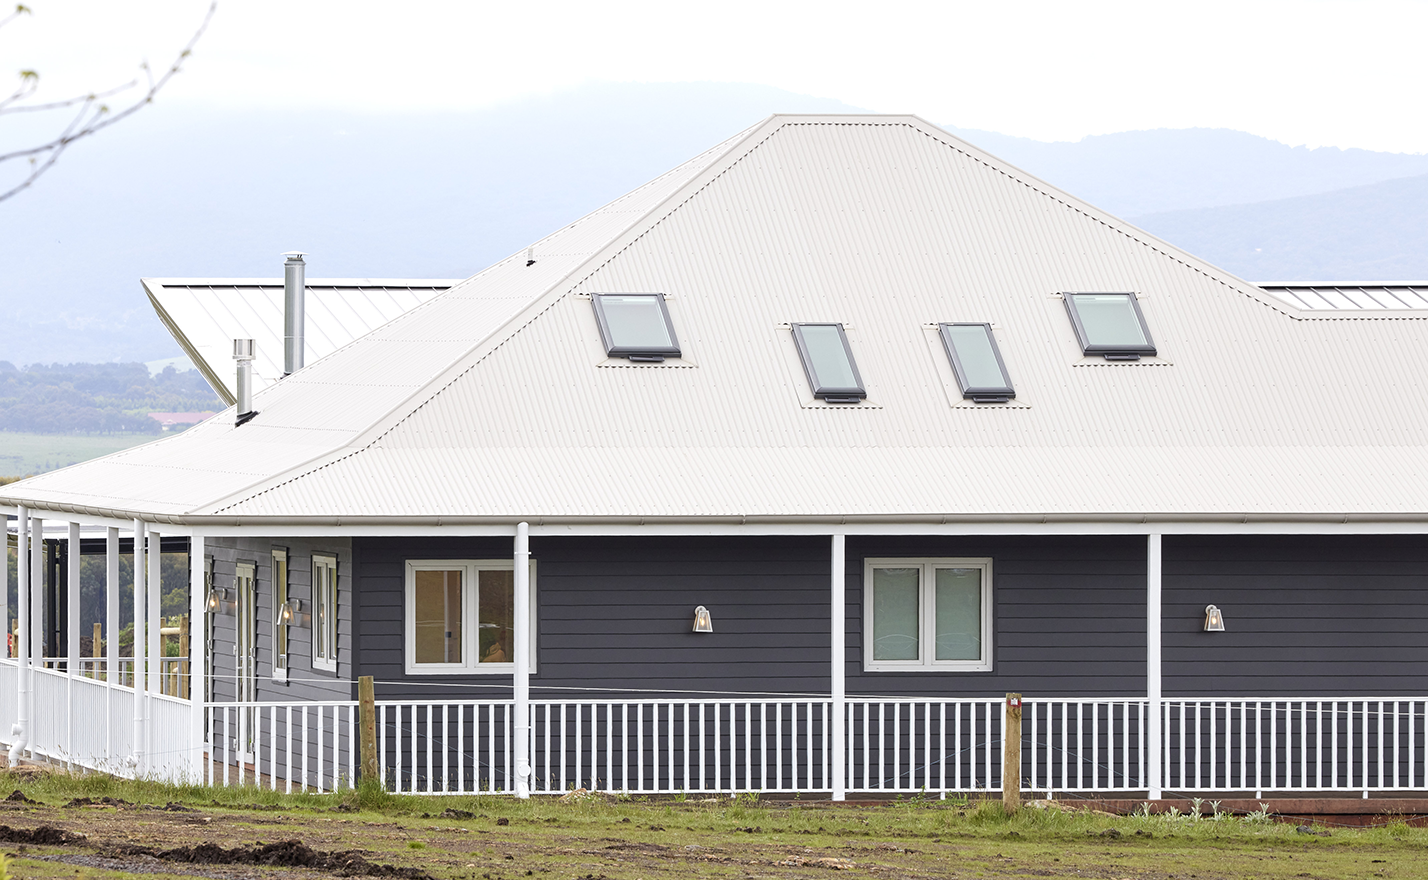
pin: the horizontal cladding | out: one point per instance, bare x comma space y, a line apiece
1068, 617
614, 616
1303, 616
304, 682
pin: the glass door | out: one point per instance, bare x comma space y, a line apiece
245, 649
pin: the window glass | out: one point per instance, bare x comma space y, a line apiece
324, 593
827, 358
895, 629
976, 361
438, 617
959, 613
280, 597
1109, 324
1109, 319
496, 610
635, 325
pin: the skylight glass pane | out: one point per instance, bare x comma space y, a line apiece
828, 360
1109, 323
976, 361
959, 613
895, 630
635, 324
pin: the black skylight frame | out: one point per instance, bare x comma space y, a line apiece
1110, 352
977, 393
642, 353
853, 393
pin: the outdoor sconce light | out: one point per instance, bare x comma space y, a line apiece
702, 623
217, 600
1214, 621
290, 613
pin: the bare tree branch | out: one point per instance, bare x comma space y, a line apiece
93, 115
20, 9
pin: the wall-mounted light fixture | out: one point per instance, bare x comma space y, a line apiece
217, 601
290, 613
702, 622
1214, 620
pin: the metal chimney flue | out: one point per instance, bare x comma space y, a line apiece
294, 319
243, 354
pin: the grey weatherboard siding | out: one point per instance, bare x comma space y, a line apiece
615, 614
304, 682
1304, 615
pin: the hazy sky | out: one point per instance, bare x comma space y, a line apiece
1346, 74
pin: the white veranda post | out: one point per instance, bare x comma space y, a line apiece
140, 593
837, 750
71, 630
522, 676
1153, 746
22, 612
198, 655
36, 637
111, 633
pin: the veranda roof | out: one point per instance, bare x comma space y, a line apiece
495, 401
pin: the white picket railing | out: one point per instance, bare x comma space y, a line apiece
86, 723
295, 746
1276, 744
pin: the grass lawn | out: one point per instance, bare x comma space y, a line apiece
157, 830
28, 454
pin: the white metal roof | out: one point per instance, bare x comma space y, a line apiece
495, 401
205, 315
1350, 295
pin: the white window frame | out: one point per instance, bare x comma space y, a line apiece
281, 659
321, 620
926, 616
471, 569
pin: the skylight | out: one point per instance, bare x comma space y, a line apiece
828, 362
635, 326
1110, 324
977, 362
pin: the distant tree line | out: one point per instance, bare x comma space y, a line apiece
96, 398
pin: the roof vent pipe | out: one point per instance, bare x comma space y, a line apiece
294, 320
243, 354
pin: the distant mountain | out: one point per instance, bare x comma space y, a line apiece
185, 191
1142, 172
182, 191
1377, 232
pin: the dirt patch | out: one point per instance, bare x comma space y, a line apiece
98, 802
285, 854
45, 835
18, 797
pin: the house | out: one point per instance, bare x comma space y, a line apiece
778, 474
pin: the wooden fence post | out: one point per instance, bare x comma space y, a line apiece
94, 643
367, 722
1011, 756
182, 686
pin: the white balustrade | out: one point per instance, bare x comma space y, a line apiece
892, 745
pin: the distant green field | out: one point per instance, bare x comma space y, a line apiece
27, 454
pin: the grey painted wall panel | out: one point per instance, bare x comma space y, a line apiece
615, 613
304, 682
1303, 615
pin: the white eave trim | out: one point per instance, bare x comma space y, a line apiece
1035, 524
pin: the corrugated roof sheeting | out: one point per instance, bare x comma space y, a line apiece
889, 226
784, 482
210, 315
336, 398
1349, 296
